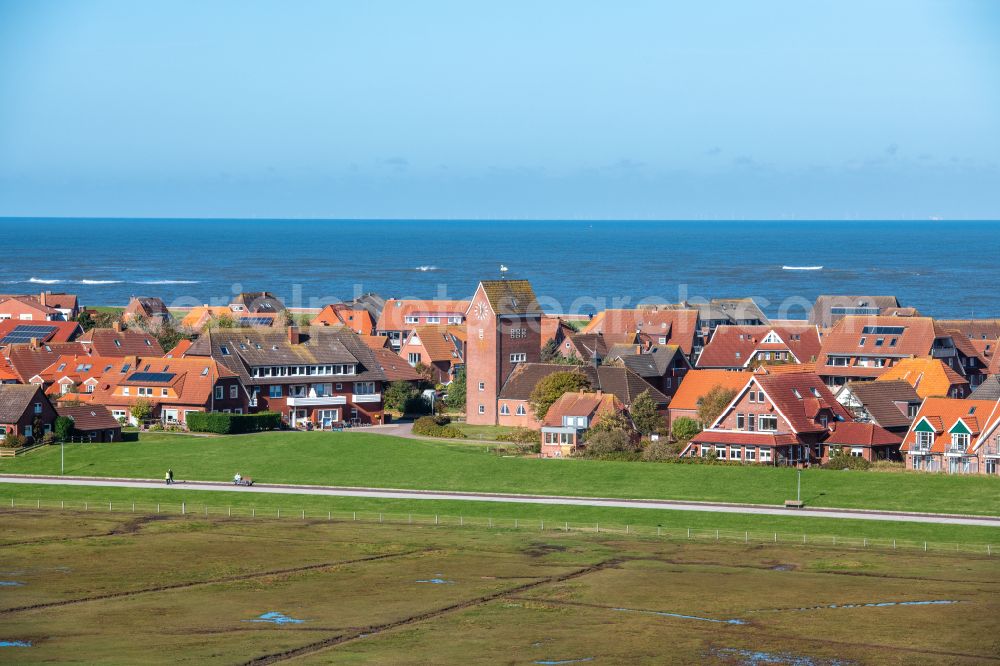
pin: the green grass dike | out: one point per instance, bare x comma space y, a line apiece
378, 460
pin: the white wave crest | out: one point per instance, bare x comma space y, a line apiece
100, 282
168, 282
424, 269
35, 280
801, 268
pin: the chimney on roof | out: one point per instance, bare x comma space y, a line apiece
117, 326
35, 343
293, 335
42, 299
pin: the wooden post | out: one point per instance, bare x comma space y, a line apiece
515, 523
183, 508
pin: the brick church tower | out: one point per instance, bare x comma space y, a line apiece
504, 326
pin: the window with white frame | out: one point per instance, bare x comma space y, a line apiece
434, 320
413, 357
765, 455
735, 453
767, 422
925, 440
740, 421
504, 409
720, 452
751, 453
520, 410
364, 388
482, 386
274, 391
960, 440
519, 357
410, 319
482, 409
218, 393
234, 391
518, 332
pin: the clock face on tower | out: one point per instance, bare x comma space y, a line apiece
481, 311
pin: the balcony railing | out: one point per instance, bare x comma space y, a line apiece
317, 400
366, 397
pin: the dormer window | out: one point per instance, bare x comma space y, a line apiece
861, 343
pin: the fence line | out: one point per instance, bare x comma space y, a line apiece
771, 537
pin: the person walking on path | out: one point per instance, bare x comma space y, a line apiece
170, 477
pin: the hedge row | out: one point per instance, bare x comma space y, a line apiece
430, 426
232, 424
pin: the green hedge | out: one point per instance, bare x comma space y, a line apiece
428, 426
232, 424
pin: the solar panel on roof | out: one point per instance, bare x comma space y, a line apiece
26, 333
256, 321
152, 377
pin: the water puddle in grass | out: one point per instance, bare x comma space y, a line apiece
276, 618
15, 643
437, 580
556, 662
757, 658
10, 583
879, 604
680, 616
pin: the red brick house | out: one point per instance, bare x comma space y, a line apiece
954, 436
314, 377
503, 325
399, 317
569, 418
440, 348
25, 411
174, 387
28, 308
862, 348
746, 347
776, 419
861, 440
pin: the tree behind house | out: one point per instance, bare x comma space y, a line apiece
646, 418
551, 388
712, 403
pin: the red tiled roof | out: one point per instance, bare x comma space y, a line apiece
845, 339
734, 346
679, 326
112, 343
751, 438
360, 321
179, 349
394, 367
26, 361
190, 382
436, 341
393, 317
800, 397
591, 405
861, 434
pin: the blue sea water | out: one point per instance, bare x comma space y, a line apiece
945, 269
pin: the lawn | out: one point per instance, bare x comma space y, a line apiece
140, 589
485, 514
484, 432
375, 460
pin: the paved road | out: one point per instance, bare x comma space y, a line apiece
387, 493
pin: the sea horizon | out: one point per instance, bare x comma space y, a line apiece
576, 266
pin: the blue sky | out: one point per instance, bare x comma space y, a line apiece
568, 109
